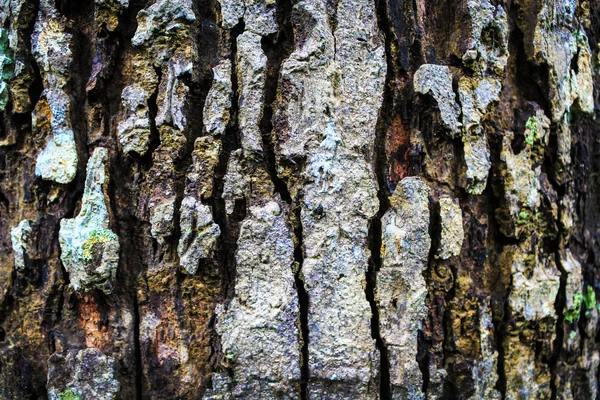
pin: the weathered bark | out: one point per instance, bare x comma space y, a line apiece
315, 199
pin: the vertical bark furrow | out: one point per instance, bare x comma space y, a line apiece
227, 199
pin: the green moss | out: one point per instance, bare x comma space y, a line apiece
531, 131
6, 67
97, 236
589, 299
573, 314
523, 217
70, 395
572, 335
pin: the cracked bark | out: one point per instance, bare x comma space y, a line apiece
299, 199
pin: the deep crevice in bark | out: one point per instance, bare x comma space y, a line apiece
375, 228
277, 47
137, 351
229, 225
370, 292
559, 307
303, 299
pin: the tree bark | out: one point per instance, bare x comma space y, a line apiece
347, 199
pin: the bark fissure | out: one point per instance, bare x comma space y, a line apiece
277, 47
370, 292
560, 321
230, 142
303, 301
375, 228
253, 259
137, 351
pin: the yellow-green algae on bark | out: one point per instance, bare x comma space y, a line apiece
89, 248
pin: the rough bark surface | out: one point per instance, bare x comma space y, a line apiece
299, 199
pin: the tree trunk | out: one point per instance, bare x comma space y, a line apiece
341, 199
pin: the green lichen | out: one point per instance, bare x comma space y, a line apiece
6, 67
97, 236
587, 298
70, 395
531, 131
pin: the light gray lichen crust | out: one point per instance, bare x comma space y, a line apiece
452, 234
82, 374
259, 330
21, 243
51, 46
437, 81
217, 107
332, 87
89, 249
259, 15
252, 74
401, 289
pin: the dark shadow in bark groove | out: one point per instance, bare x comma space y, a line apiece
229, 225
278, 47
559, 307
303, 300
375, 228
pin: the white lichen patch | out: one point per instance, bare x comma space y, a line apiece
162, 218
21, 243
259, 15
252, 73
401, 288
535, 281
331, 91
198, 234
51, 46
452, 234
89, 249
488, 50
58, 161
82, 374
259, 330
234, 182
477, 161
217, 107
485, 370
167, 17
134, 131
437, 81
476, 96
